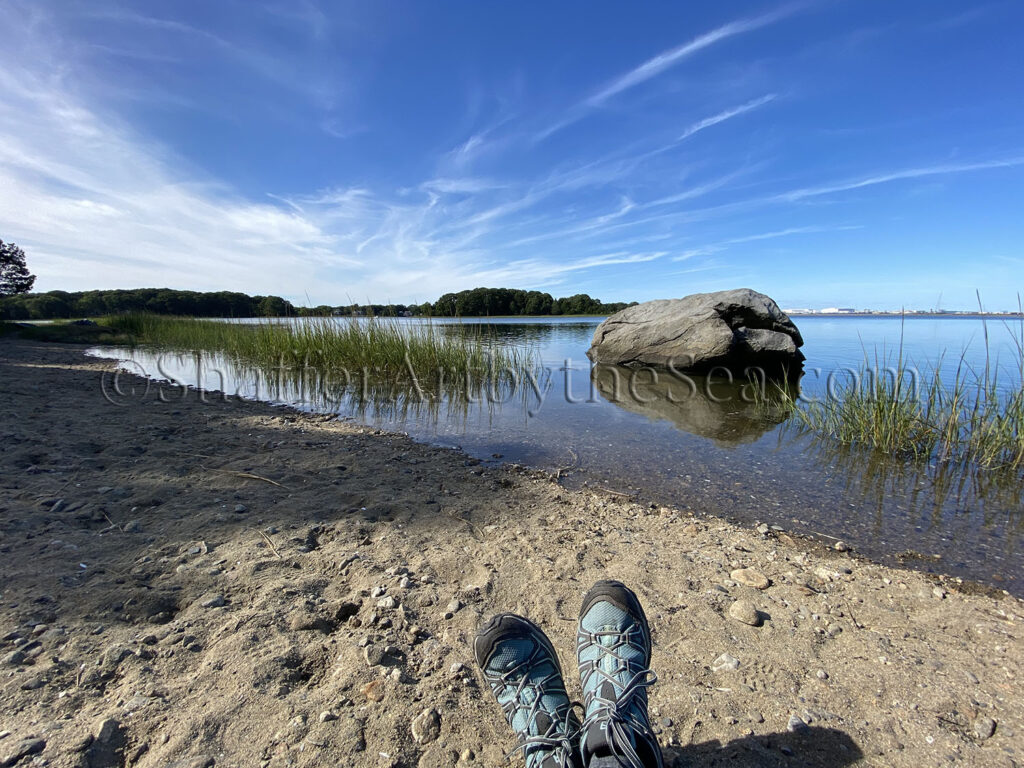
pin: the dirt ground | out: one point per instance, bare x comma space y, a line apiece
194, 583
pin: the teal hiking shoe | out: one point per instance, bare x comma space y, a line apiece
521, 667
613, 648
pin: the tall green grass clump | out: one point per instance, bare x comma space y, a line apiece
381, 350
969, 419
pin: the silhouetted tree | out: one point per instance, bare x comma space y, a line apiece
14, 275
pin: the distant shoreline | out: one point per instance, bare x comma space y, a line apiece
912, 315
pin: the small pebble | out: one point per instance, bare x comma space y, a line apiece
745, 612
749, 577
326, 717
984, 727
374, 655
725, 663
426, 727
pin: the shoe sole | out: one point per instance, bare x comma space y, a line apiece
622, 597
507, 626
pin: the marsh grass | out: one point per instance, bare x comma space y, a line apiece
895, 408
372, 354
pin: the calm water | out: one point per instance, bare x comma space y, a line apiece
711, 452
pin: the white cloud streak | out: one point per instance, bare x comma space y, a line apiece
910, 173
663, 61
727, 114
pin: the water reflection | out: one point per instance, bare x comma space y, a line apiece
931, 492
717, 453
727, 412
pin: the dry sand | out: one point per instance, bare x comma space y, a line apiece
191, 583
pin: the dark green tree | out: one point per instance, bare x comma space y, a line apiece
275, 306
14, 275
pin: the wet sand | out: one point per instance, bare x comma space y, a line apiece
221, 582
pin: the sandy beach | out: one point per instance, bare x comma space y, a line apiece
193, 581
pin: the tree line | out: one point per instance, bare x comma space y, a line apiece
484, 302
161, 301
478, 302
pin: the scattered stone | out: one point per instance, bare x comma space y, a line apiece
821, 674
114, 655
241, 509
984, 727
377, 592
19, 749
749, 577
135, 703
452, 608
33, 684
387, 602
374, 655
763, 529
725, 663
217, 601
326, 717
939, 592
467, 755
426, 727
826, 574
14, 658
796, 725
841, 546
374, 690
745, 612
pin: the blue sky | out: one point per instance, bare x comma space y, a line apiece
824, 152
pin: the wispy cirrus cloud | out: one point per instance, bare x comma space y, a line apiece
665, 60
942, 169
722, 245
727, 114
398, 213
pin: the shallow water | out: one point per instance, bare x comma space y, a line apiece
709, 450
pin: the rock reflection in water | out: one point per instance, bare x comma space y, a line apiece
721, 410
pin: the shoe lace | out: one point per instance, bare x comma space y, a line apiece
619, 716
561, 735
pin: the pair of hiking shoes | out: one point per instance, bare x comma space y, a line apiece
613, 651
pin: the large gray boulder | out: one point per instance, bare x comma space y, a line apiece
735, 329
